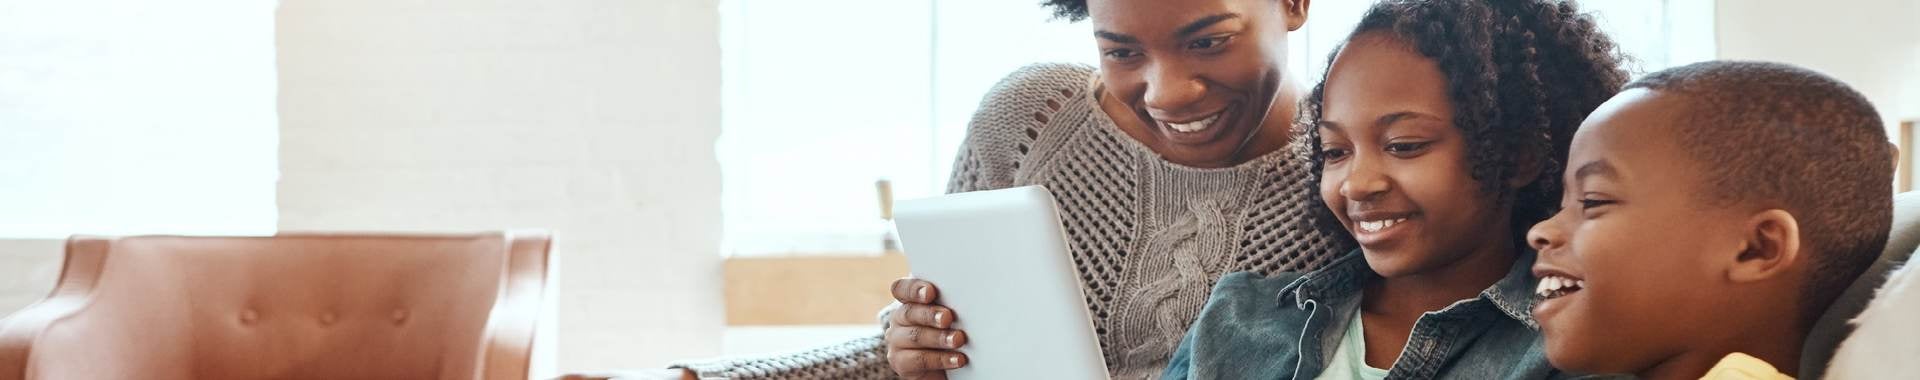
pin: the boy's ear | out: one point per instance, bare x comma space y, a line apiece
1296, 13
1772, 247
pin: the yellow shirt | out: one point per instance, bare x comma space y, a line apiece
1738, 366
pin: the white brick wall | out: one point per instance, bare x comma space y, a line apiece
595, 119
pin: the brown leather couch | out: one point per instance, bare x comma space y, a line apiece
296, 306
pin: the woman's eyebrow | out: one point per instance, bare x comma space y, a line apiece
1116, 37
1185, 30
1203, 23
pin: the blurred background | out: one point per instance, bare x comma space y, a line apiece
712, 170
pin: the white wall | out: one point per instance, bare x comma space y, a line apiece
596, 119
136, 117
1873, 45
28, 269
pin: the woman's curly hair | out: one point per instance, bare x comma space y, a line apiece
1067, 9
1522, 75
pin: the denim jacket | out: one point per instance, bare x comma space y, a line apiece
1289, 325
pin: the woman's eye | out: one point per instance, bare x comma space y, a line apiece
1406, 147
1208, 43
1121, 53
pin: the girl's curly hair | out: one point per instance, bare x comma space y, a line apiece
1522, 75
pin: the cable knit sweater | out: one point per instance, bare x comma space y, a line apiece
1149, 236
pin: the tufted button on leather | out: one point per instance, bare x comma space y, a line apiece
248, 316
327, 319
399, 316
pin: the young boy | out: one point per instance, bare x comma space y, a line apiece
1712, 211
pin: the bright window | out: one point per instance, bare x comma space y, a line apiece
132, 117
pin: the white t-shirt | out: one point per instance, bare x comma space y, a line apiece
1350, 359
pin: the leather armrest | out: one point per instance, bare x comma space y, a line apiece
79, 273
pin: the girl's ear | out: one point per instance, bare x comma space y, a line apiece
1527, 168
1296, 12
1772, 247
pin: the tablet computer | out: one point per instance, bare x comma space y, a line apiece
1001, 261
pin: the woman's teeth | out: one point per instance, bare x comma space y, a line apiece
1556, 286
1196, 126
1377, 225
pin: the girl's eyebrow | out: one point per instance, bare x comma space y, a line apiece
1396, 117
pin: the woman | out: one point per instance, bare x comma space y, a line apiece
1169, 167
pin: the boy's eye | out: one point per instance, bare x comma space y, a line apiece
1403, 148
1589, 203
1208, 43
1120, 53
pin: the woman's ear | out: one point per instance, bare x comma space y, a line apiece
1296, 11
1772, 247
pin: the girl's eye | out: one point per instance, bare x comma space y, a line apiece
1121, 54
1332, 154
1403, 148
1208, 43
1590, 203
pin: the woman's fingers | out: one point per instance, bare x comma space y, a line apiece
913, 290
910, 337
913, 363
934, 316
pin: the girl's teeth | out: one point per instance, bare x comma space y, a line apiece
1377, 225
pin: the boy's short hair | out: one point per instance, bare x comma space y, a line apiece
1794, 139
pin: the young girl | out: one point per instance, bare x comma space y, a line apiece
1438, 135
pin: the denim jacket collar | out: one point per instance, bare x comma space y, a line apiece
1345, 277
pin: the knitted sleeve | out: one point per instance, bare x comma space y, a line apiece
998, 137
858, 359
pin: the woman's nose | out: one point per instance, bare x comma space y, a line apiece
1172, 87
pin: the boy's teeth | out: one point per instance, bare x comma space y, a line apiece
1377, 225
1553, 286
1196, 126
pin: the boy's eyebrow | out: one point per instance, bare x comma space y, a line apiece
1593, 168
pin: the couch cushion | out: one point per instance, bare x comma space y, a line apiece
1833, 327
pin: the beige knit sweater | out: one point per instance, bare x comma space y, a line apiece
1149, 236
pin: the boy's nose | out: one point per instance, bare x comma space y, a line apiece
1546, 234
